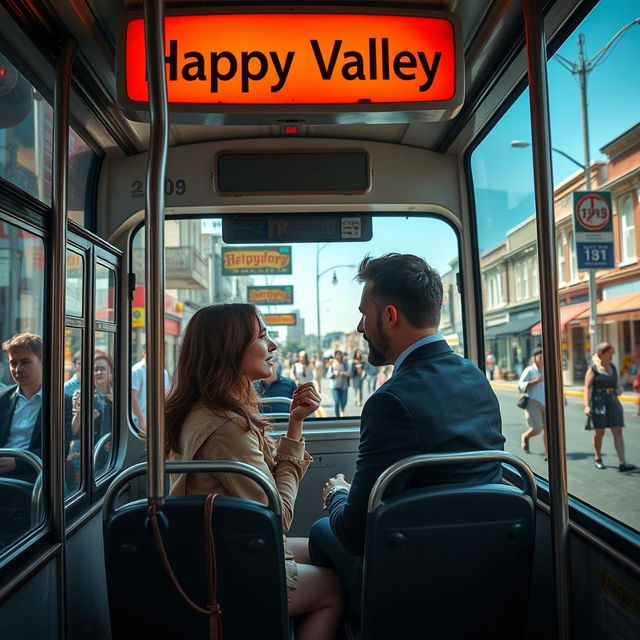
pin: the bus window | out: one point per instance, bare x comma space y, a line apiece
306, 291
105, 294
503, 189
82, 161
21, 418
103, 370
26, 134
72, 408
75, 284
102, 402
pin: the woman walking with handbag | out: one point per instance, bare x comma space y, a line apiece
532, 383
601, 403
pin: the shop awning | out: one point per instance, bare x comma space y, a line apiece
567, 314
511, 328
613, 308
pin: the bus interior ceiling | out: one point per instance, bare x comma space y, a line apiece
416, 167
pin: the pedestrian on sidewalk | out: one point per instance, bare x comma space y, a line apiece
338, 373
601, 403
532, 383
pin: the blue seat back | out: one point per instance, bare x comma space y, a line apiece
448, 562
250, 570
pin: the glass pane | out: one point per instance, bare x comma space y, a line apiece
21, 324
105, 293
75, 284
319, 296
26, 135
503, 189
81, 163
102, 403
73, 415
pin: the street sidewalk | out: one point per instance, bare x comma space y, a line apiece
573, 390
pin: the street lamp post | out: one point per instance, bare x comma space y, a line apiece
334, 281
593, 300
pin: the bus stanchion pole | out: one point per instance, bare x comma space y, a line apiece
154, 245
550, 315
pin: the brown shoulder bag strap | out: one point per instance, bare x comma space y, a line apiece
213, 609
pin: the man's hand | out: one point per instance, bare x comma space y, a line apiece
337, 481
7, 465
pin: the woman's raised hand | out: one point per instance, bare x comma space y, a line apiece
304, 402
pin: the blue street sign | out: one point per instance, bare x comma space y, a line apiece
593, 229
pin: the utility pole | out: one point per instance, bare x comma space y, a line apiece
581, 68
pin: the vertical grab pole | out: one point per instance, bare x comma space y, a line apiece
56, 457
540, 128
154, 243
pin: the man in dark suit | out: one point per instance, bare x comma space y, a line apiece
435, 402
21, 404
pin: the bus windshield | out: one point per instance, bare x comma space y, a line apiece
306, 291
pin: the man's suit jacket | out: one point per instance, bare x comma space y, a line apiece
435, 402
8, 399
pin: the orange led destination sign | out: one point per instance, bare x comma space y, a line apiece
279, 319
298, 59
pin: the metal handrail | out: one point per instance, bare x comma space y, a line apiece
271, 399
195, 466
96, 449
413, 462
36, 492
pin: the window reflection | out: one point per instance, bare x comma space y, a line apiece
74, 284
26, 134
72, 409
102, 402
21, 323
105, 293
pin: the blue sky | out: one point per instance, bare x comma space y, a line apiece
503, 176
432, 239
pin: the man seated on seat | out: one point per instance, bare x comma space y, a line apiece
275, 386
435, 402
21, 404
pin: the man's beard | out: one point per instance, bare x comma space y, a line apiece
376, 357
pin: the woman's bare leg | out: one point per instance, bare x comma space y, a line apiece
618, 443
319, 596
598, 435
529, 433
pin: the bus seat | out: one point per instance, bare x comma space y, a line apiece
15, 509
251, 579
449, 561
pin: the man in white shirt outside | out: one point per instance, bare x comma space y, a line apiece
21, 404
139, 391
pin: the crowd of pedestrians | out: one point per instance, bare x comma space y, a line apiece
342, 376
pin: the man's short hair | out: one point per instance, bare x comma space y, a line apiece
76, 356
537, 351
25, 340
407, 282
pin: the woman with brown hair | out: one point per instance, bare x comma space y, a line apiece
602, 405
212, 413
